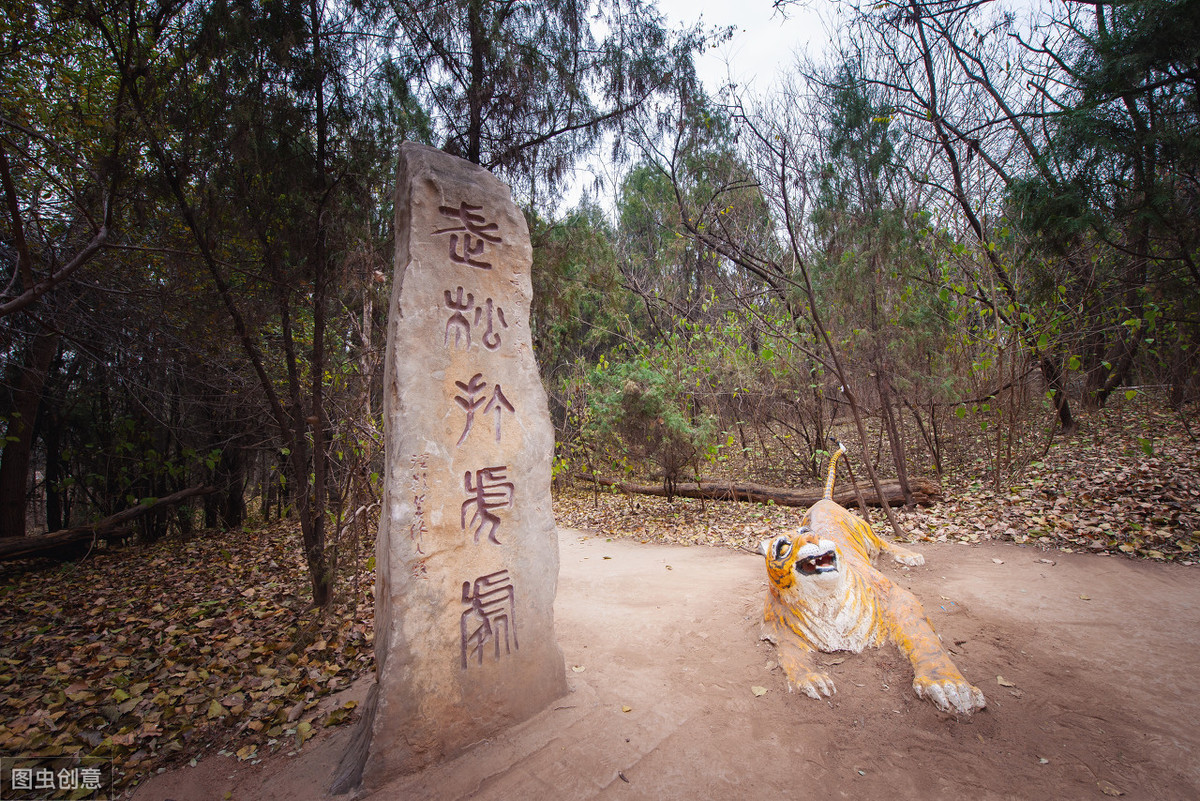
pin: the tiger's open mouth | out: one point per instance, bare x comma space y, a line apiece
820, 563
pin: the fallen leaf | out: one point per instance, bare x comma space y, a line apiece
578, 668
626, 708
758, 690
1085, 597
294, 713
1003, 682
337, 717
997, 561
1109, 789
246, 751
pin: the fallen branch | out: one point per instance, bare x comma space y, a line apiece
924, 491
114, 525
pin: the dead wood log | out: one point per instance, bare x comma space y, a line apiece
924, 491
111, 526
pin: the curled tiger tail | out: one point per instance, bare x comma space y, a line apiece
833, 460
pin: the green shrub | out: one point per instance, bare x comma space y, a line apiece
645, 409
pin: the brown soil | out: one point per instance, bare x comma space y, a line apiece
1101, 653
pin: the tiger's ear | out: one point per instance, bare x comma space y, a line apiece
764, 547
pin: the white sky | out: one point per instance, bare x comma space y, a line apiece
764, 43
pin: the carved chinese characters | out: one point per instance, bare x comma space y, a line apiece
491, 616
467, 555
476, 234
459, 326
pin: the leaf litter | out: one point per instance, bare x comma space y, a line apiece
1122, 485
155, 654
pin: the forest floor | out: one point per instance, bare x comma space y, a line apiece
198, 663
1126, 482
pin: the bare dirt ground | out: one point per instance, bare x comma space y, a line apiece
662, 650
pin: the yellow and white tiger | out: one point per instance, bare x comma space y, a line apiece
823, 594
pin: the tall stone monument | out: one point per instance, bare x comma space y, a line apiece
467, 555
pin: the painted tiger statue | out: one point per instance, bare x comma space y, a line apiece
824, 594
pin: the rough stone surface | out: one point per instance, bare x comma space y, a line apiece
467, 555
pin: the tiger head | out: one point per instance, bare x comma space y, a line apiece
801, 564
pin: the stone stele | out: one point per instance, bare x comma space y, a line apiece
467, 554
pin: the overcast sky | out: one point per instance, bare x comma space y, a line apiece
764, 42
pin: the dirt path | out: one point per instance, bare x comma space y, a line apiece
1103, 655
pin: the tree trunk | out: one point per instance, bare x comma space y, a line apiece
923, 491
18, 446
312, 523
55, 507
884, 386
476, 88
231, 483
1053, 374
15, 548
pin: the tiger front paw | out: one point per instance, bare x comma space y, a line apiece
950, 695
811, 683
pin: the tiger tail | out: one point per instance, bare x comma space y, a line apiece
833, 470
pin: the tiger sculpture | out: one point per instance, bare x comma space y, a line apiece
823, 594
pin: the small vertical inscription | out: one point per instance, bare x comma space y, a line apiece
487, 491
490, 616
420, 489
